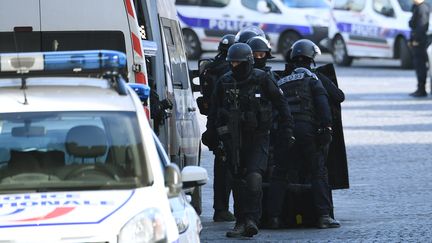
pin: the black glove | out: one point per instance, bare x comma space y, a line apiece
286, 138
209, 139
324, 136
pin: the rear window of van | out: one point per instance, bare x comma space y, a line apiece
61, 41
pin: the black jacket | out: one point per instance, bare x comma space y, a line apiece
269, 90
419, 22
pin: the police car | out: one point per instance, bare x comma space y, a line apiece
370, 28
204, 22
78, 162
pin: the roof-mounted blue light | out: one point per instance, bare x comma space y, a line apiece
64, 62
142, 90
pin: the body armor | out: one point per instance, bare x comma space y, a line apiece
298, 91
247, 97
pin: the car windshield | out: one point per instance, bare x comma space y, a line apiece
46, 151
306, 4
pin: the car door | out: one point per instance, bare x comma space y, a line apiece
185, 126
19, 26
349, 17
384, 18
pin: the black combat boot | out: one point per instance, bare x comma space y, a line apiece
250, 228
419, 93
325, 221
237, 232
273, 223
223, 216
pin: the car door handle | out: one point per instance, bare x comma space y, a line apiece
240, 17
225, 15
191, 109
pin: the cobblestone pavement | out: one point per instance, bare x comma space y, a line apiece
389, 141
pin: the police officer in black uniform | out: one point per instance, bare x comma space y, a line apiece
419, 24
241, 116
308, 100
221, 179
262, 52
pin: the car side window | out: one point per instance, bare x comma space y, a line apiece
349, 5
383, 7
187, 2
250, 4
214, 3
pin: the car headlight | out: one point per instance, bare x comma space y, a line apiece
182, 221
317, 21
180, 212
147, 226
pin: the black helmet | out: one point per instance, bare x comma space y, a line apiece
240, 52
304, 48
259, 43
226, 42
243, 37
248, 32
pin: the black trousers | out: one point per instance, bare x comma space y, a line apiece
247, 182
222, 184
420, 60
305, 155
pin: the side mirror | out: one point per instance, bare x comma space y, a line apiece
173, 180
194, 176
149, 48
142, 90
262, 7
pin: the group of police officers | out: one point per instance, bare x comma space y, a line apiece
266, 124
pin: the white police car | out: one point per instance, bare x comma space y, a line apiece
204, 22
370, 28
78, 162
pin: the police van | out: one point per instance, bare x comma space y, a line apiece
204, 22
168, 71
370, 28
78, 161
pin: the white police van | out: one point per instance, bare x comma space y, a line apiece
370, 28
204, 22
78, 161
168, 70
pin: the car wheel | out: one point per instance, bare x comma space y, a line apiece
193, 45
405, 54
286, 41
339, 53
197, 200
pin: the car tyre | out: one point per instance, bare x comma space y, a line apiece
192, 44
339, 52
405, 54
286, 41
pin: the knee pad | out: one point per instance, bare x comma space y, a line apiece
254, 181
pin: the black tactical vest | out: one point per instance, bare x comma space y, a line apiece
248, 98
297, 89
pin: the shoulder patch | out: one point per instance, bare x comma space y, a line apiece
289, 78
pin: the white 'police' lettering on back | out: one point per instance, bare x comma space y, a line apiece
289, 78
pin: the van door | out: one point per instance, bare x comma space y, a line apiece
19, 26
186, 124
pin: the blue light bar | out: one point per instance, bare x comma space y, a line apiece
142, 90
64, 61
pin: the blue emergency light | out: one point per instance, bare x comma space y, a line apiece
62, 62
142, 90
